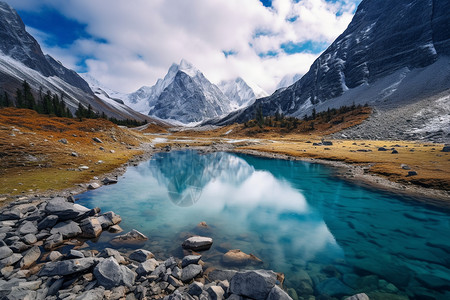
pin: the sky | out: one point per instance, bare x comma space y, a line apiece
128, 44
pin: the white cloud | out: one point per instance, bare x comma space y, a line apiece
144, 38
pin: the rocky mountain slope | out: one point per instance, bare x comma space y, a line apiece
241, 93
21, 58
381, 59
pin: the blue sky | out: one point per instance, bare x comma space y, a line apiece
127, 46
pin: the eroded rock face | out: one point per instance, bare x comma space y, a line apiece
198, 243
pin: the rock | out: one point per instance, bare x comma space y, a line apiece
67, 267
394, 151
190, 259
278, 294
238, 258
361, 296
333, 287
48, 222
141, 255
108, 219
18, 247
27, 227
5, 252
97, 140
255, 284
108, 180
10, 260
133, 237
53, 241
63, 141
62, 208
446, 149
108, 252
30, 257
81, 168
94, 294
74, 254
90, 228
215, 292
93, 186
110, 274
74, 154
197, 243
195, 288
405, 167
327, 143
67, 229
115, 229
30, 239
190, 272
218, 274
147, 267
382, 149
412, 173
54, 255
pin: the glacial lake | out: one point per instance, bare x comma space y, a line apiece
328, 236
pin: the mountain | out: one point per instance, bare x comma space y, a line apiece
184, 95
21, 58
394, 54
241, 93
288, 80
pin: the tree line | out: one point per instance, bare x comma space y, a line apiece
52, 104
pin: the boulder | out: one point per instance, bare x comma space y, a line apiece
198, 243
74, 254
190, 272
108, 180
90, 228
108, 252
62, 208
215, 292
27, 227
446, 149
30, 239
278, 294
67, 267
30, 257
238, 258
10, 260
141, 255
94, 294
195, 288
110, 274
54, 256
109, 219
333, 287
67, 229
361, 296
147, 267
190, 259
93, 186
411, 173
131, 238
53, 241
217, 274
5, 252
48, 222
255, 284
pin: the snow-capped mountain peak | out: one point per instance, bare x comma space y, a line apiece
240, 92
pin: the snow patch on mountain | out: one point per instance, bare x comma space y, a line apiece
288, 80
240, 92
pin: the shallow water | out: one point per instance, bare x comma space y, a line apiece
295, 216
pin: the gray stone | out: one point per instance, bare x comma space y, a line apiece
54, 255
19, 294
141, 255
53, 241
5, 252
67, 267
108, 252
30, 257
97, 140
333, 287
140, 292
109, 219
63, 209
190, 272
19, 246
195, 288
30, 239
108, 180
67, 229
133, 237
94, 294
13, 214
63, 141
174, 281
190, 259
361, 296
74, 254
218, 274
412, 173
93, 186
10, 260
255, 284
278, 294
48, 222
27, 227
215, 292
170, 262
198, 243
90, 228
147, 267
110, 274
115, 229
446, 149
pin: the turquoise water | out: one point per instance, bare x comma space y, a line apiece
326, 235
